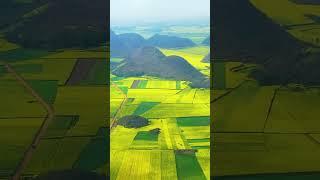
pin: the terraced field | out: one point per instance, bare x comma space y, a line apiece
182, 114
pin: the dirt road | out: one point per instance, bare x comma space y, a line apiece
36, 140
114, 118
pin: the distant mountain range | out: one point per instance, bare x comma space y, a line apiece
165, 41
206, 41
150, 61
244, 33
123, 44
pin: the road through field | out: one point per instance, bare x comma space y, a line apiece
36, 140
113, 123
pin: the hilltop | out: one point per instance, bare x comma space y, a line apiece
152, 62
123, 44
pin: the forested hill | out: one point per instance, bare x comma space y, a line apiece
152, 62
124, 44
60, 24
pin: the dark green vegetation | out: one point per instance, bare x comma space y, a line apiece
152, 62
28, 68
252, 37
46, 89
94, 155
151, 135
60, 126
193, 121
65, 29
188, 166
21, 54
133, 121
12, 10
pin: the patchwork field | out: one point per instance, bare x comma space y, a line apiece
77, 135
176, 142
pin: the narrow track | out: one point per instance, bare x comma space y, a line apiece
114, 118
44, 126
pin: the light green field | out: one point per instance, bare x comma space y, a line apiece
154, 84
160, 101
186, 96
177, 110
48, 69
155, 95
71, 101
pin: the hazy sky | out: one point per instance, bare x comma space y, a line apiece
143, 11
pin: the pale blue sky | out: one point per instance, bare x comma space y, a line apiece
145, 11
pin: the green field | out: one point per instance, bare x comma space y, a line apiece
181, 113
75, 111
254, 125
